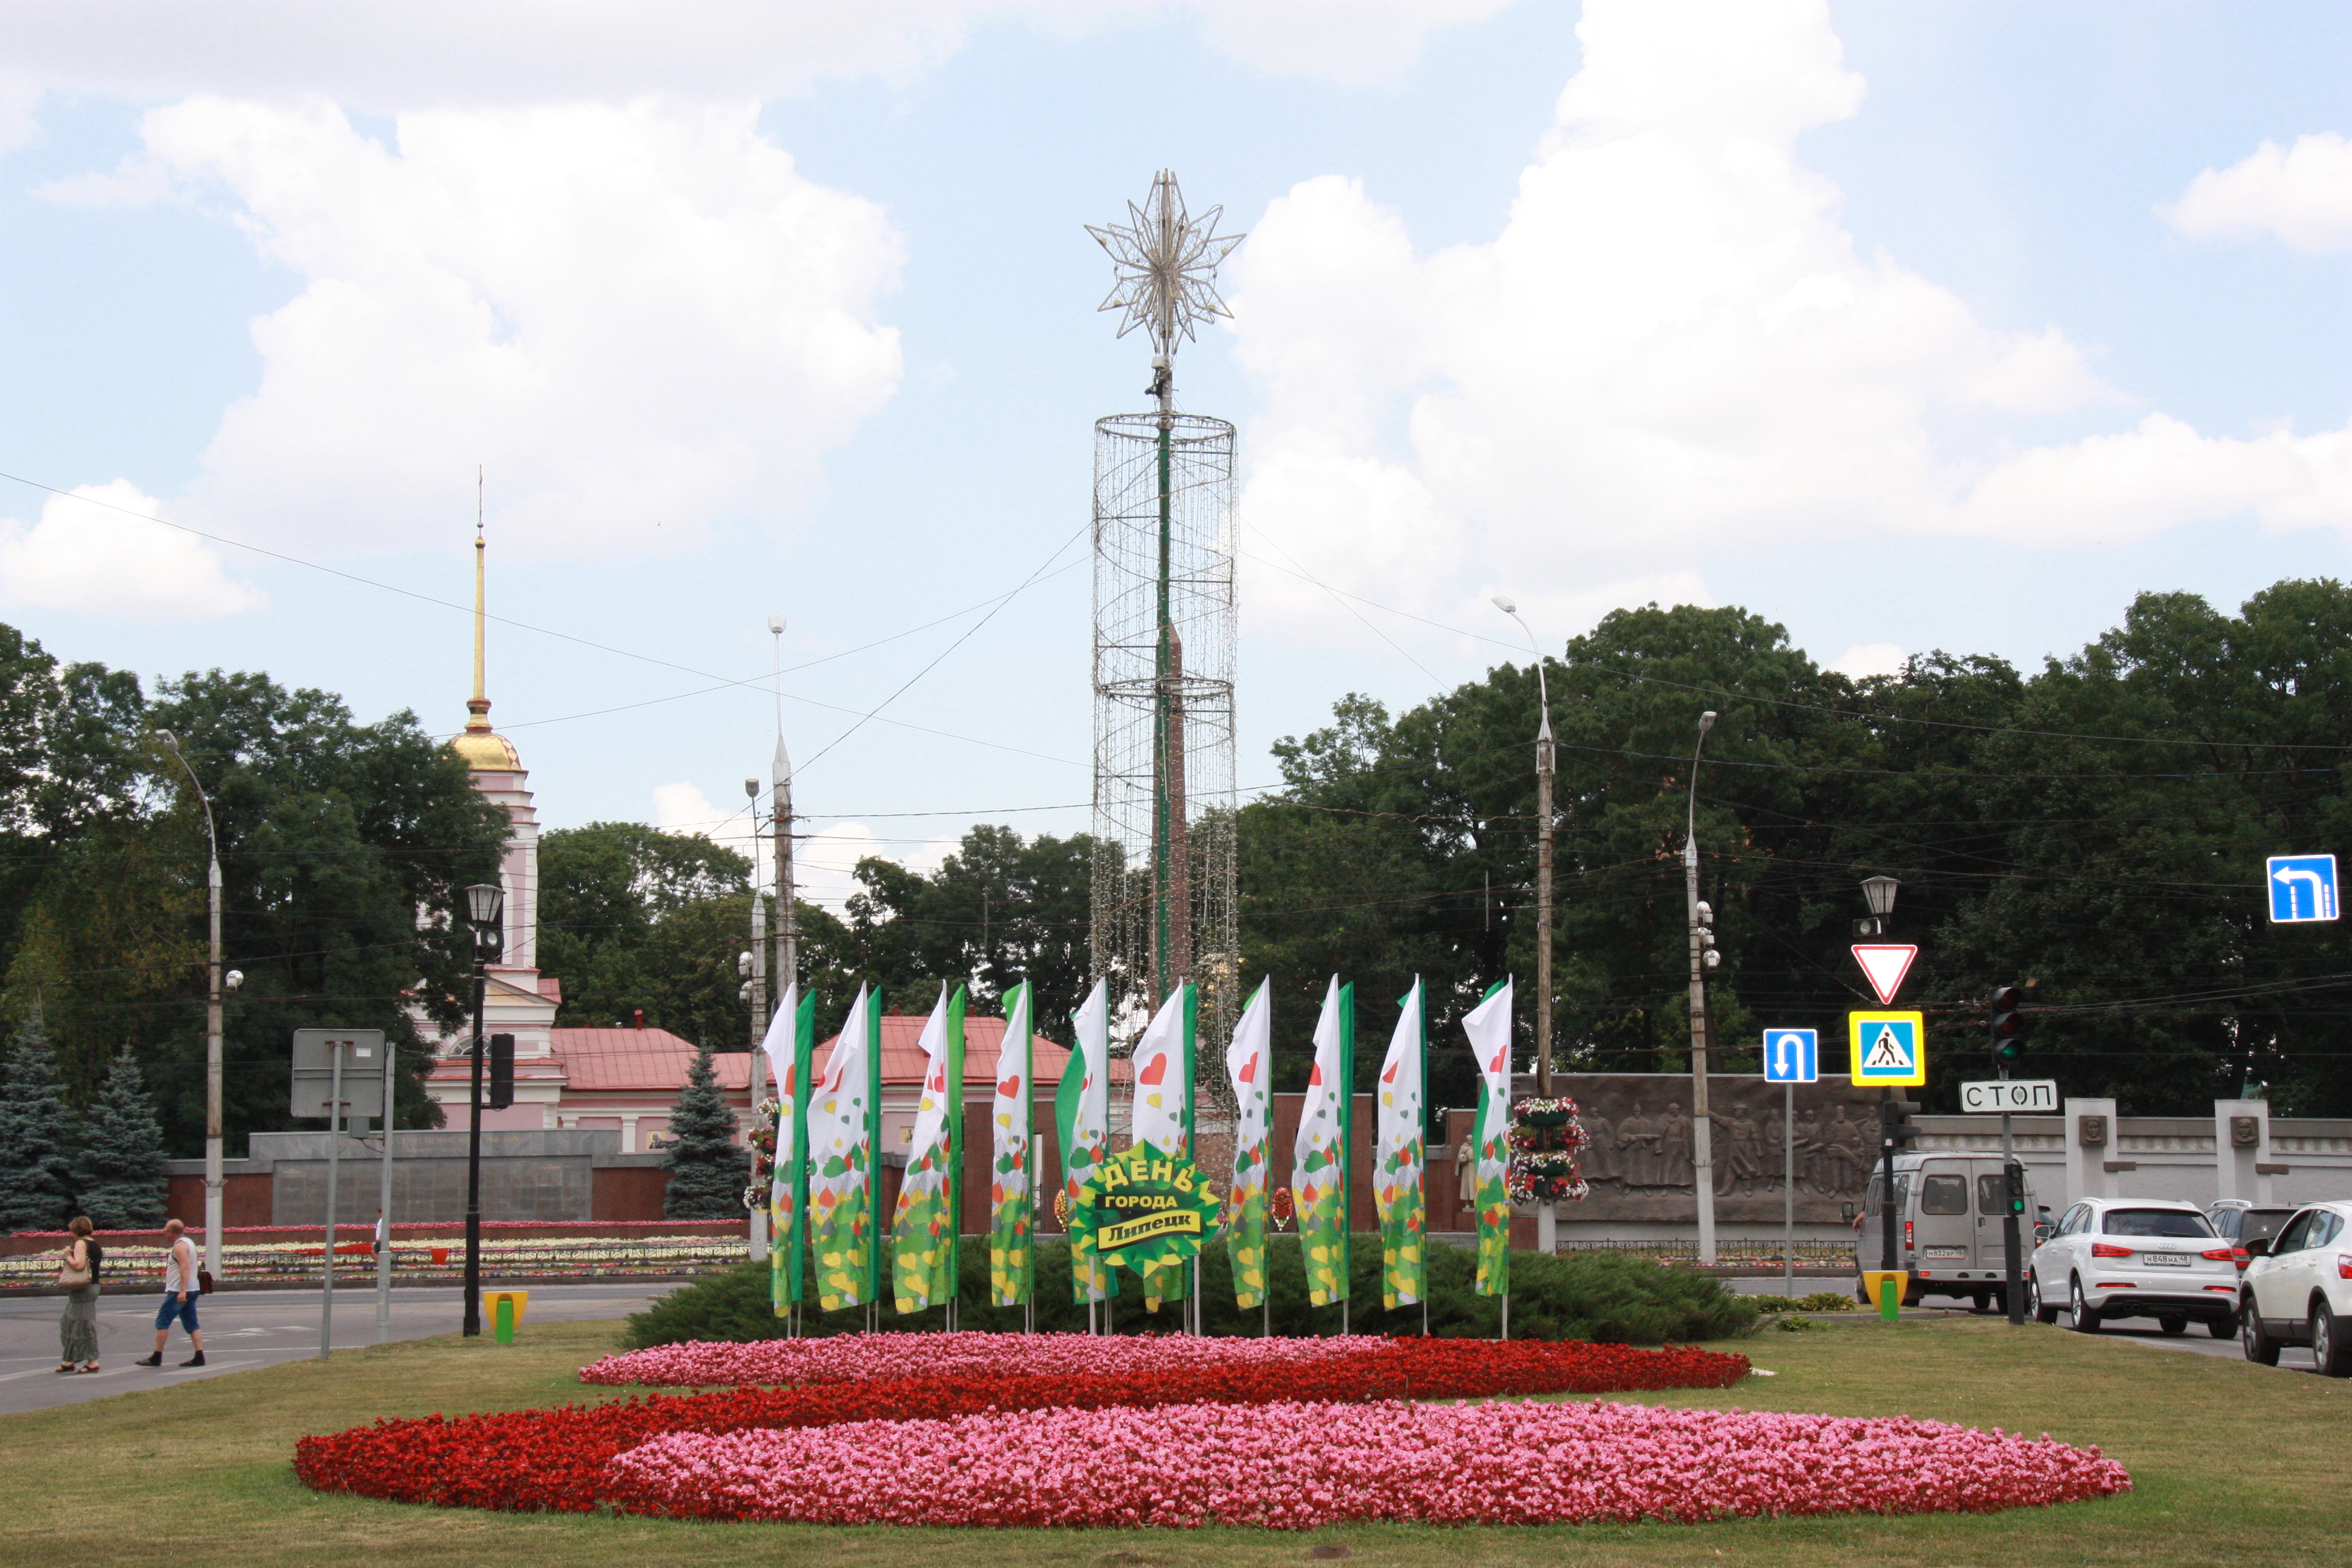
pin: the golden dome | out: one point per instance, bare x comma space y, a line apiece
482, 749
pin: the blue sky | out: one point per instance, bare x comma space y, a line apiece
1901, 324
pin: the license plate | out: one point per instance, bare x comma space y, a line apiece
2166, 1260
1946, 1254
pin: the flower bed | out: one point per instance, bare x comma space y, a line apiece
560, 1459
252, 1262
1299, 1466
849, 1357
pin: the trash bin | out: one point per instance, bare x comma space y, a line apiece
505, 1309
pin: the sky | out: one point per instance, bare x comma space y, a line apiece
1908, 326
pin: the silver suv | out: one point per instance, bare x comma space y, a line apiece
2135, 1257
2298, 1289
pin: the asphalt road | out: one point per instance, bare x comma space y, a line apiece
247, 1329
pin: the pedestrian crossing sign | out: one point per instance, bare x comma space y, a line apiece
1889, 1050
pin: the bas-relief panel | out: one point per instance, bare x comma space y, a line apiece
1640, 1163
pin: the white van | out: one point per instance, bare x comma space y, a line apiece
1948, 1209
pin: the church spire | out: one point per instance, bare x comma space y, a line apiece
481, 748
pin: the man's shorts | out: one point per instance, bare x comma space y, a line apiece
173, 1307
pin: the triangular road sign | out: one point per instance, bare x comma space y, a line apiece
1886, 964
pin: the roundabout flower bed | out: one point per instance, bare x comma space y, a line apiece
1300, 1465
1015, 1430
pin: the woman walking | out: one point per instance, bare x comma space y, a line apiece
77, 1325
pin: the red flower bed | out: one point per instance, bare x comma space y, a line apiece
558, 1459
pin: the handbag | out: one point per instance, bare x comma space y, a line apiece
69, 1276
203, 1281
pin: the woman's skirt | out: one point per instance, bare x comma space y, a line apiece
77, 1325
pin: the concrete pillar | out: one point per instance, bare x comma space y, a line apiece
2090, 1144
629, 1136
2241, 1142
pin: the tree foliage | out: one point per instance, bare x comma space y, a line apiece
633, 917
37, 1176
707, 1170
120, 1170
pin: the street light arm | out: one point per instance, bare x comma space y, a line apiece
172, 744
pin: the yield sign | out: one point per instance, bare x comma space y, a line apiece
1885, 964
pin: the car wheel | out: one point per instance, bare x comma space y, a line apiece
2226, 1327
2329, 1352
2259, 1348
2172, 1327
2044, 1311
2087, 1321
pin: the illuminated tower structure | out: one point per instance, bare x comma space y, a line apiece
1164, 634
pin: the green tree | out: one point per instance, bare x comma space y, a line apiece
707, 1170
121, 1172
37, 1176
631, 917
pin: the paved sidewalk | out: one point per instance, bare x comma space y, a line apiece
247, 1329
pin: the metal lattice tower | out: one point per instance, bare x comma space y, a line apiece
1164, 908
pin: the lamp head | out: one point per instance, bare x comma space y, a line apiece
233, 979
751, 788
776, 624
485, 901
1879, 892
1706, 721
743, 963
1503, 603
171, 742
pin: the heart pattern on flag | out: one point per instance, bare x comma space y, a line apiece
1154, 1071
1010, 1088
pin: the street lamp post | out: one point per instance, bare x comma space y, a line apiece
213, 1179
484, 906
756, 965
1703, 957
1547, 1212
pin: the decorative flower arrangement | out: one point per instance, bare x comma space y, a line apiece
509, 1258
1546, 1138
1279, 1433
1281, 1209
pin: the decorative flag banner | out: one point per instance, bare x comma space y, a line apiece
1082, 1126
790, 1041
1488, 1025
1248, 1060
921, 1228
1162, 1111
1397, 1175
1012, 1193
1318, 1178
843, 1116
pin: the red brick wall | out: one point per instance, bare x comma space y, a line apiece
244, 1199
629, 1192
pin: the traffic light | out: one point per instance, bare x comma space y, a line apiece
2007, 1023
1894, 1121
501, 1071
2016, 1174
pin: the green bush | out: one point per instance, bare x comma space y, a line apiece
1819, 1301
1607, 1297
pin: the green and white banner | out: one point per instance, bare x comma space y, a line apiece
1397, 1173
1082, 1128
1162, 1111
924, 1229
1318, 1180
789, 1042
844, 1131
1011, 1192
1248, 1063
1488, 1025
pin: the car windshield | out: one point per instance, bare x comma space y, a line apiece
2156, 1221
2261, 1225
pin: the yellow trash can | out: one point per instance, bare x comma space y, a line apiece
1886, 1287
505, 1309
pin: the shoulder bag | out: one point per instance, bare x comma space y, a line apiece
70, 1278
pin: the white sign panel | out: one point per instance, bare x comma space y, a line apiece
2018, 1096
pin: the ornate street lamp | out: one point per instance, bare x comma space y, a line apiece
484, 906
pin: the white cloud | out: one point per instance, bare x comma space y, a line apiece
1871, 658
1351, 41
2301, 194
642, 320
107, 558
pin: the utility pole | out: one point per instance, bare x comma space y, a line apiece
780, 779
1546, 1211
1703, 957
756, 960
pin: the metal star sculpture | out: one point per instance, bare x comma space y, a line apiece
1167, 263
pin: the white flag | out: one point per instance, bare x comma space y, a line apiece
1163, 1078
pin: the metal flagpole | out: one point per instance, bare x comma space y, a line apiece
334, 1140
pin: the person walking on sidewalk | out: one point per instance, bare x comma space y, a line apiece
181, 1287
78, 1325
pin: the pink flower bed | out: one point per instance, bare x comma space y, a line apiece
850, 1358
1299, 1466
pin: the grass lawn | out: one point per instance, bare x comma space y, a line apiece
2230, 1463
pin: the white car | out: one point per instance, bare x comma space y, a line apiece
2135, 1257
2298, 1290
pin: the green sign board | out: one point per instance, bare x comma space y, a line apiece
1145, 1209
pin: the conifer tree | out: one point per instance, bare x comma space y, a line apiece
121, 1174
37, 1181
707, 1172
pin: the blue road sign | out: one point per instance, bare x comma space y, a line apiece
1792, 1055
2303, 888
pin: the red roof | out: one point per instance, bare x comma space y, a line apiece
902, 1052
638, 1060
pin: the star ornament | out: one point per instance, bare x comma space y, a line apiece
1167, 262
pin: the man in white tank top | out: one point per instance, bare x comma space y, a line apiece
181, 1287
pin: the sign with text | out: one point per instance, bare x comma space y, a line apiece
1143, 1208
2016, 1097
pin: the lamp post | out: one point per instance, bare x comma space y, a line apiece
485, 905
1703, 957
1546, 1213
212, 1018
1879, 893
